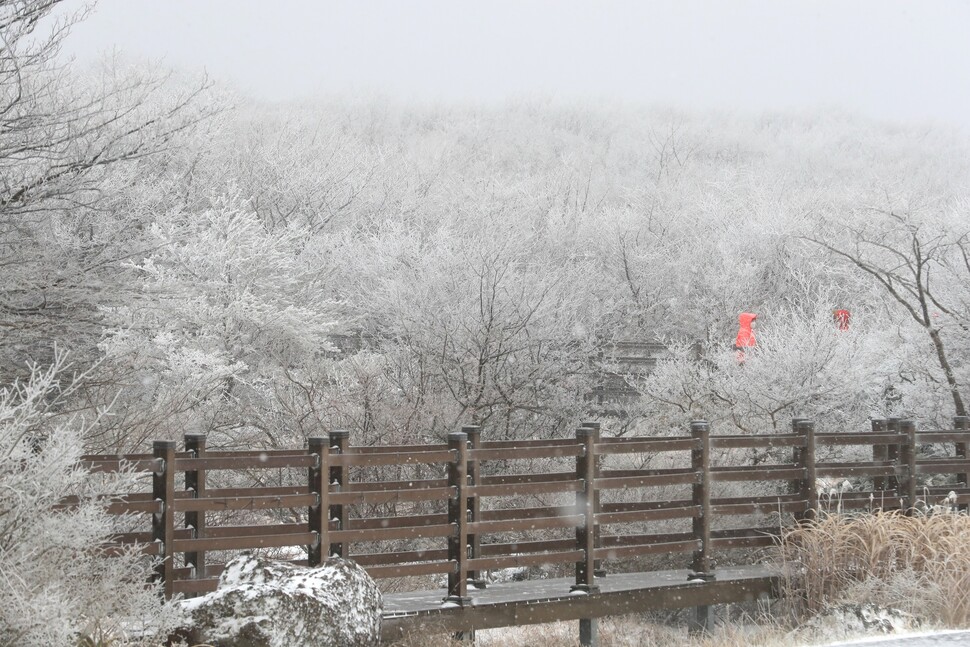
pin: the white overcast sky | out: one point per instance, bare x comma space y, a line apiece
888, 59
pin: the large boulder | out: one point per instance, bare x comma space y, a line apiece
264, 603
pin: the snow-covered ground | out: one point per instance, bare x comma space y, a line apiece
932, 639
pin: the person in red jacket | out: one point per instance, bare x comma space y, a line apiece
745, 338
842, 317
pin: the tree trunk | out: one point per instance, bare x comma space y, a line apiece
945, 365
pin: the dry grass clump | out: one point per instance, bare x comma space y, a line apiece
920, 564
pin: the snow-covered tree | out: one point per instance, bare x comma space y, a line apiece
57, 584
70, 142
915, 253
472, 322
228, 308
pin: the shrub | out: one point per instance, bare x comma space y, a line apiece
920, 564
56, 585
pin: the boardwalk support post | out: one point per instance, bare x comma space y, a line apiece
807, 489
587, 436
907, 456
195, 520
318, 517
702, 566
458, 518
340, 477
163, 521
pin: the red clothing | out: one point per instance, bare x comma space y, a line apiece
745, 338
842, 319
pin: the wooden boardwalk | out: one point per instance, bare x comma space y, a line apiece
538, 601
586, 503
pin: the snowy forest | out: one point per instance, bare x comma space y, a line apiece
176, 257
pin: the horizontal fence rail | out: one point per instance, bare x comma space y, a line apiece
466, 506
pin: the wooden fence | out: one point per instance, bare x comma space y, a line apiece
586, 503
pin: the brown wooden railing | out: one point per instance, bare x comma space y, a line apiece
471, 505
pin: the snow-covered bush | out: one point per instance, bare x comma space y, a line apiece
55, 584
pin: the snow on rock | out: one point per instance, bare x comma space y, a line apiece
263, 603
855, 620
518, 574
512, 574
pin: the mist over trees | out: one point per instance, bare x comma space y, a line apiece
473, 260
470, 261
261, 273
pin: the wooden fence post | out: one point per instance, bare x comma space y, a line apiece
340, 478
195, 483
961, 423
598, 569
458, 517
795, 487
908, 458
163, 521
318, 516
892, 454
702, 567
586, 533
880, 453
700, 460
474, 434
807, 485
